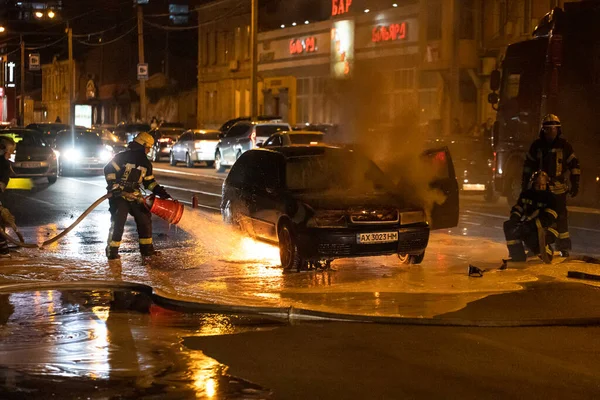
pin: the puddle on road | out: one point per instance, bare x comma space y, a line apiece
105, 344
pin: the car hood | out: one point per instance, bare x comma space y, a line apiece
348, 200
32, 153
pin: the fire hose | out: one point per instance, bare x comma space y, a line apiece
171, 214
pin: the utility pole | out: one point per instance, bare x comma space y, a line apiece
71, 77
22, 102
254, 61
140, 22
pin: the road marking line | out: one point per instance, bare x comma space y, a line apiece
89, 183
470, 223
34, 199
193, 191
169, 171
506, 218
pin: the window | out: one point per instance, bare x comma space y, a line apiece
215, 107
247, 43
434, 20
185, 137
238, 43
303, 100
429, 97
404, 79
511, 86
238, 130
500, 17
212, 47
467, 19
222, 47
527, 16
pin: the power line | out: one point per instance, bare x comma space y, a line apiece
100, 32
46, 45
110, 41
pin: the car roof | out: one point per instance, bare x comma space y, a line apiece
304, 151
19, 130
302, 133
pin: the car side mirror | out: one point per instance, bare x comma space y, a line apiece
221, 135
495, 80
261, 144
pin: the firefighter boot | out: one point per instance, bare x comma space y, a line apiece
112, 253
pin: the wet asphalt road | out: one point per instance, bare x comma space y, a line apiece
191, 357
204, 260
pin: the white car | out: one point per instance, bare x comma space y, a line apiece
198, 145
306, 138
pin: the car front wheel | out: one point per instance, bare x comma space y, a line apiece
52, 179
172, 160
188, 161
218, 166
291, 259
155, 156
411, 259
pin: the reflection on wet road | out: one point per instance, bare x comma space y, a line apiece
203, 260
64, 343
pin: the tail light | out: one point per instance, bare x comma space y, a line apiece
165, 140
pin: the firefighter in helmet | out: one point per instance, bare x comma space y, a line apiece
552, 154
124, 174
7, 147
535, 211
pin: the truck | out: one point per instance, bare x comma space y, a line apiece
556, 71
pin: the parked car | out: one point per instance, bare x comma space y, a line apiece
294, 138
81, 150
127, 132
228, 124
33, 156
242, 137
320, 203
164, 138
194, 146
49, 130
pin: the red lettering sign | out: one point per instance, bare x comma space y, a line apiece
389, 33
300, 46
339, 7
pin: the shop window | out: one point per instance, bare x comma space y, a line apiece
527, 16
467, 19
429, 105
247, 43
404, 79
434, 19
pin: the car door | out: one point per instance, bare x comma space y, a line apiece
266, 197
226, 144
239, 132
444, 214
183, 145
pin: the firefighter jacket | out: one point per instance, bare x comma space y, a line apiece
540, 204
555, 159
5, 172
130, 169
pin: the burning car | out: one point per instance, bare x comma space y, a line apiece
321, 203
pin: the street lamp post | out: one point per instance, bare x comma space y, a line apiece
254, 61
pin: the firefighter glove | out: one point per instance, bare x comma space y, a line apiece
515, 217
574, 191
7, 217
116, 191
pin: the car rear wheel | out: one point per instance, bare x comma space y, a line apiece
291, 259
218, 166
230, 215
52, 179
188, 161
172, 160
408, 259
514, 190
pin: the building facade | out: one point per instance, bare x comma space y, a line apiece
417, 65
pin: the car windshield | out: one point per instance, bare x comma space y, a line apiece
306, 138
86, 138
206, 136
268, 130
24, 138
334, 171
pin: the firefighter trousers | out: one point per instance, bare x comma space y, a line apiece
519, 234
562, 223
119, 210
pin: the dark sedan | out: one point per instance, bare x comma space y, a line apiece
33, 157
321, 203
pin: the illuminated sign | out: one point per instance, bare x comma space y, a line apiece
300, 46
389, 33
1, 91
342, 49
339, 7
83, 115
10, 74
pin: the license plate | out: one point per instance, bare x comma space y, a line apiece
473, 187
379, 237
31, 165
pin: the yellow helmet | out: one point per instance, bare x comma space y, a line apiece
551, 119
145, 139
